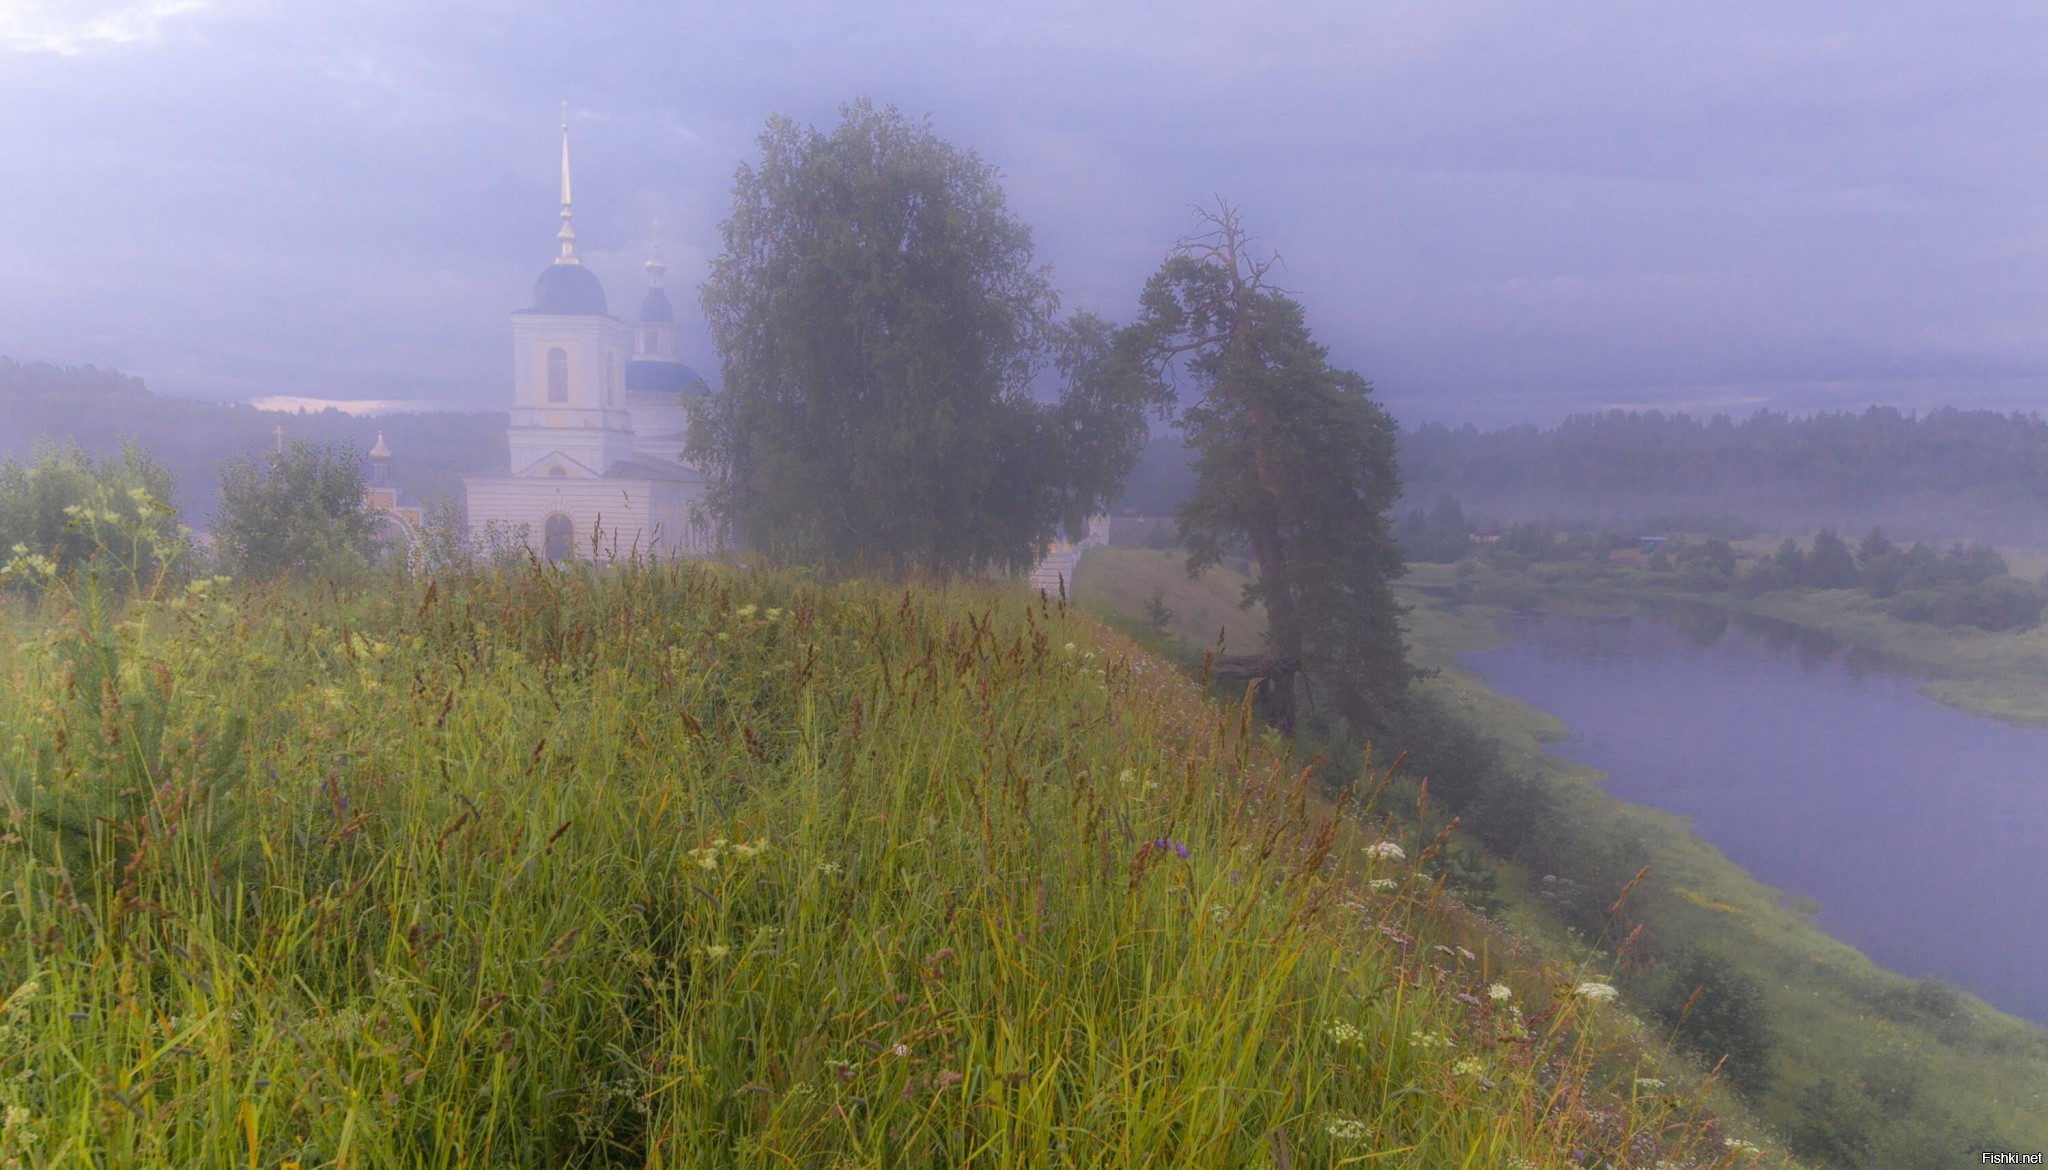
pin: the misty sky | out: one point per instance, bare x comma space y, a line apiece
1499, 212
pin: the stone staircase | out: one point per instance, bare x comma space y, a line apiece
1057, 567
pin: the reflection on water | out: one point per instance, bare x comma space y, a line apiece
1821, 770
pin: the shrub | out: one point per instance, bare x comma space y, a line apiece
299, 510
111, 516
1716, 1010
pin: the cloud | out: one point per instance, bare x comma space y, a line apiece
68, 28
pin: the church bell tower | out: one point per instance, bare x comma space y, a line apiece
568, 358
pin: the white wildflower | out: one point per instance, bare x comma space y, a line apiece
1387, 851
1597, 992
1343, 1032
1346, 1129
1382, 885
1500, 992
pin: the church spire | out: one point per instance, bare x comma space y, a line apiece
568, 233
655, 265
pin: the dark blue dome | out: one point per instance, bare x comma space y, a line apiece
655, 309
568, 290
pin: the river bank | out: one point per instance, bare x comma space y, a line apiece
1869, 1067
2000, 675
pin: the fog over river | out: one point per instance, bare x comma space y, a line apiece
1918, 828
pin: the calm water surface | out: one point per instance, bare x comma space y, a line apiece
1919, 829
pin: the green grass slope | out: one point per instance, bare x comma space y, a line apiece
1869, 1069
693, 867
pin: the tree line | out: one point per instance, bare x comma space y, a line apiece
1811, 464
1964, 584
99, 409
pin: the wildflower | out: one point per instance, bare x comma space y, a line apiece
1127, 777
1499, 992
829, 868
1597, 992
1387, 851
1740, 1147
1423, 1039
1343, 1032
1382, 885
1650, 1083
1346, 1129
717, 952
773, 615
746, 611
1164, 844
1471, 1066
902, 1050
750, 850
1070, 648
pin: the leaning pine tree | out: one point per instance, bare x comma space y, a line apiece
880, 321
1294, 460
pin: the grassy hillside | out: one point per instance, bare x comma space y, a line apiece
1869, 1068
696, 867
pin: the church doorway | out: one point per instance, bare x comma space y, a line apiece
558, 537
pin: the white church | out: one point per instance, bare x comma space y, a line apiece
596, 435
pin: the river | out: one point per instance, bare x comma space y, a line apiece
1921, 830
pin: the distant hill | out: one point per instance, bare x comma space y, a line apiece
97, 407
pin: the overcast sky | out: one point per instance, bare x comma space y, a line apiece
1498, 212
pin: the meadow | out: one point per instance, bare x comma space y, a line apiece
700, 866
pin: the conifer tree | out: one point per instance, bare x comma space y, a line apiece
1294, 460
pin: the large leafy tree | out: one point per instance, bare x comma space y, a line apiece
298, 510
881, 320
1293, 460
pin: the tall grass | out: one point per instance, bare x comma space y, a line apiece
684, 866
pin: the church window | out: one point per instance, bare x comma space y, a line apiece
558, 375
558, 536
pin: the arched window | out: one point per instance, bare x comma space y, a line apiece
558, 375
558, 536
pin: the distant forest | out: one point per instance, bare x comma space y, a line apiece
1948, 474
430, 452
1945, 475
